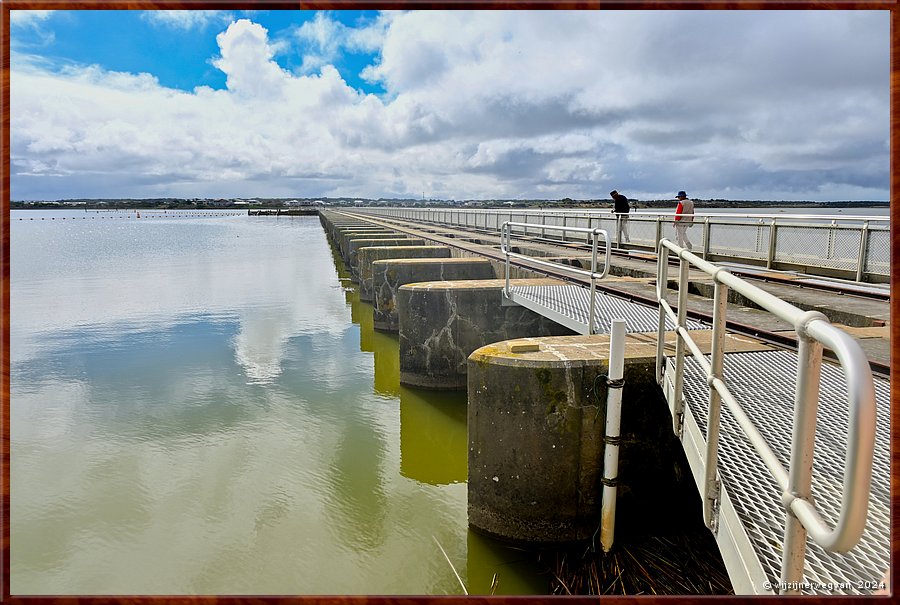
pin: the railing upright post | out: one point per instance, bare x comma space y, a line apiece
504, 232
564, 225
662, 288
770, 257
678, 409
593, 283
809, 366
705, 251
831, 235
658, 230
712, 484
863, 251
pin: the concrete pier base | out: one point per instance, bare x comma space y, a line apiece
343, 237
389, 275
349, 239
536, 421
335, 231
358, 244
443, 322
371, 254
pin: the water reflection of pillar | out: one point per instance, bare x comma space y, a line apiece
340, 267
516, 568
387, 363
433, 436
361, 314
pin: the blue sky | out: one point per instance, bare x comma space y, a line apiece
179, 55
784, 105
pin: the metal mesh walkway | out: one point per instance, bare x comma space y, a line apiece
561, 303
753, 517
763, 382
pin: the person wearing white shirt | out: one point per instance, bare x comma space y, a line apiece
684, 218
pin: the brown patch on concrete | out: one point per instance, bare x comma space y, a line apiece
871, 332
561, 350
482, 284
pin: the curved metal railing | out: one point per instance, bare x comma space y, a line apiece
814, 332
591, 235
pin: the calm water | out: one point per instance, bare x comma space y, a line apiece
200, 405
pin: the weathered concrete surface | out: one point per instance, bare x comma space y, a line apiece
346, 236
369, 255
389, 275
442, 322
536, 423
336, 231
357, 244
351, 246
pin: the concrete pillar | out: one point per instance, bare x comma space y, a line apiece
371, 254
535, 441
389, 275
357, 244
443, 322
535, 424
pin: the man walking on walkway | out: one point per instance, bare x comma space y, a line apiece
621, 210
684, 218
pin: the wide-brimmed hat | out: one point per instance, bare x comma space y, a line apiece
681, 194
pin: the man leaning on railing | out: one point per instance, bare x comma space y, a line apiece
621, 210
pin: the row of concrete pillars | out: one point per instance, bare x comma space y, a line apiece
536, 414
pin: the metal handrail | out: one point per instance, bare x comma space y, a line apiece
593, 275
870, 259
814, 332
635, 213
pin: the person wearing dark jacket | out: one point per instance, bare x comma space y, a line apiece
621, 210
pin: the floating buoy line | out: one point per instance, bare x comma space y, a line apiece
134, 215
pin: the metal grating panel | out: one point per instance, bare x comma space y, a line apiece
574, 302
749, 240
763, 382
878, 253
819, 246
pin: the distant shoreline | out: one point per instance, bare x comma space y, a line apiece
273, 203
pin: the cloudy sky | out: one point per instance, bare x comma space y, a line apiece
779, 105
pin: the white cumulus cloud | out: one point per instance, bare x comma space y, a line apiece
484, 104
186, 19
24, 18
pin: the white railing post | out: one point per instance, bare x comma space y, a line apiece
504, 245
863, 251
593, 282
705, 251
658, 230
662, 289
806, 403
712, 483
770, 256
615, 382
678, 411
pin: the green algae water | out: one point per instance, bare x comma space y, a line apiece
199, 405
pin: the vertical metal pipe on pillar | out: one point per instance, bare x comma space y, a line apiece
615, 382
593, 283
